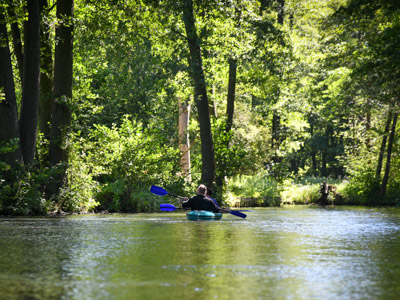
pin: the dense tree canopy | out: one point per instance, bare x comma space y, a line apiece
283, 88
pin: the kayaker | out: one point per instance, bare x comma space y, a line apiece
200, 201
208, 195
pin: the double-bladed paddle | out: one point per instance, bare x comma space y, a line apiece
169, 207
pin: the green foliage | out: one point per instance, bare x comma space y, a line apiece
362, 187
364, 184
250, 134
118, 70
229, 153
260, 185
328, 74
300, 194
22, 191
115, 165
7, 147
21, 187
77, 194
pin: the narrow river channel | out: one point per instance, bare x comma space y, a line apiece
275, 253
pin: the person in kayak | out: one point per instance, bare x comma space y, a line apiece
200, 201
208, 195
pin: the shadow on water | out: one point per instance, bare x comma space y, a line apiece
275, 253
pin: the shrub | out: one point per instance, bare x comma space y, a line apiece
115, 165
22, 192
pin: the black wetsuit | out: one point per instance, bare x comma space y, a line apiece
200, 202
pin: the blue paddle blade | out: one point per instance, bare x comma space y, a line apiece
167, 207
233, 212
158, 190
237, 213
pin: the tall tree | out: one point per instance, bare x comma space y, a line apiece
385, 179
184, 114
230, 101
371, 31
8, 106
61, 115
276, 118
16, 34
201, 98
383, 145
46, 71
30, 88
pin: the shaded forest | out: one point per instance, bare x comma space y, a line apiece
101, 99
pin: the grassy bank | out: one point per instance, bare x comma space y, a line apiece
262, 190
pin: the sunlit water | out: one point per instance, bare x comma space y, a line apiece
275, 253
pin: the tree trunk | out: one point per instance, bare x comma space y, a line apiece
323, 162
30, 88
17, 41
8, 105
230, 109
213, 104
61, 115
383, 145
385, 179
184, 114
368, 142
201, 99
281, 11
276, 119
46, 74
313, 152
230, 103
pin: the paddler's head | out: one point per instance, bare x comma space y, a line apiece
202, 190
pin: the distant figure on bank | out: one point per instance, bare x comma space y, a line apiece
200, 201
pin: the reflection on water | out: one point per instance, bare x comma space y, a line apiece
276, 253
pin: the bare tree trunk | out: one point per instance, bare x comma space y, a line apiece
61, 115
368, 142
46, 74
17, 41
276, 124
8, 105
201, 98
230, 103
276, 119
30, 88
385, 179
213, 104
281, 11
383, 145
313, 152
184, 115
230, 109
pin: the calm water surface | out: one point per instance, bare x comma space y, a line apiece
276, 253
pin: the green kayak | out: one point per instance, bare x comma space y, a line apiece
203, 215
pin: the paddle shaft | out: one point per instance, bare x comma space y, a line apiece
177, 196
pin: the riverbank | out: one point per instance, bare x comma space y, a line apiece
333, 192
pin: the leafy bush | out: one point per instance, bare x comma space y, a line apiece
22, 192
115, 165
229, 153
77, 195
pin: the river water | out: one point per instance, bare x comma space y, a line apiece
275, 253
